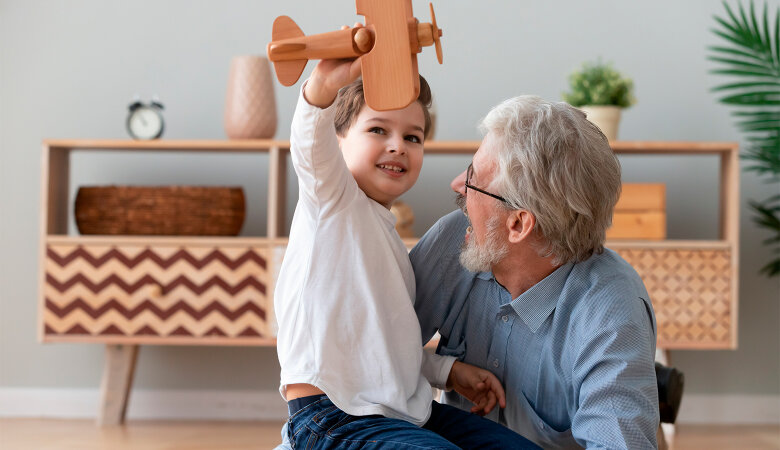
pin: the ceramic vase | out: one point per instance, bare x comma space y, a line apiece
250, 105
607, 118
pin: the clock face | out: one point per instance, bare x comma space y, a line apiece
145, 123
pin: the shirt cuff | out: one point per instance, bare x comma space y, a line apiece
436, 369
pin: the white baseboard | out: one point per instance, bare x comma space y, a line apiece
268, 405
145, 404
729, 409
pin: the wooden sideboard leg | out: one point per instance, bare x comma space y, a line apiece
117, 381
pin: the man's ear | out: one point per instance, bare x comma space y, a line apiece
520, 224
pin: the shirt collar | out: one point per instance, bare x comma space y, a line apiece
537, 303
487, 276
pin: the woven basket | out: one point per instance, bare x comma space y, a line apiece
163, 210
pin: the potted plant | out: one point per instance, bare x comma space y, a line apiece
750, 58
602, 92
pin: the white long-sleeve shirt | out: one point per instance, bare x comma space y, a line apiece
344, 297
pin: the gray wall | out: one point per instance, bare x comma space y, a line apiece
68, 70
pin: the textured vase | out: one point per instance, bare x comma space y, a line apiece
607, 118
250, 106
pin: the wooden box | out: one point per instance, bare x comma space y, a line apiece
640, 212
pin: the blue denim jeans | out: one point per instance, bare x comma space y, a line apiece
321, 425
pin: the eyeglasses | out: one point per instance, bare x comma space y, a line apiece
469, 173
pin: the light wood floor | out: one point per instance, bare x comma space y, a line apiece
45, 434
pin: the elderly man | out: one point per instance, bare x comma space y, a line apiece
520, 283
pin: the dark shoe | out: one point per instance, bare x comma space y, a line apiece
670, 389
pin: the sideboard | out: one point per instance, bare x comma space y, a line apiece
124, 291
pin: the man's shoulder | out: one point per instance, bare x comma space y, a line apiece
608, 270
606, 288
444, 237
453, 221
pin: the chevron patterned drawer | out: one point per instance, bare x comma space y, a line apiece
159, 293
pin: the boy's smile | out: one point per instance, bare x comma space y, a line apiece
384, 150
392, 168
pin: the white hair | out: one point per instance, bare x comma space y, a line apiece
554, 163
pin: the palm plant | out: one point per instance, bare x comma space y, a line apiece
752, 57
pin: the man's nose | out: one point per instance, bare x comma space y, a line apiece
459, 183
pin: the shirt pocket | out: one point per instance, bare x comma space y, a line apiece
536, 429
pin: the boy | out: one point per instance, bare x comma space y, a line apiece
349, 342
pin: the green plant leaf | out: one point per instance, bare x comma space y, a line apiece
748, 84
759, 68
767, 215
735, 39
737, 52
745, 24
768, 34
765, 114
758, 126
731, 32
750, 56
597, 83
777, 37
761, 120
753, 98
755, 30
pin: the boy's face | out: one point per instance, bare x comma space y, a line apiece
384, 151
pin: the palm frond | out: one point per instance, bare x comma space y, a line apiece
759, 68
736, 52
768, 216
777, 38
753, 98
750, 57
757, 114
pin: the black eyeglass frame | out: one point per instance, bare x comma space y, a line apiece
469, 172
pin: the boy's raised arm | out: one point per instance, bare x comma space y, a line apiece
328, 77
322, 173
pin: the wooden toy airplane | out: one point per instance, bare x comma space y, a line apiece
388, 44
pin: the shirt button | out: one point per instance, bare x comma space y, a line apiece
541, 425
505, 318
495, 363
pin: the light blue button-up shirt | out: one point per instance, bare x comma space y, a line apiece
575, 353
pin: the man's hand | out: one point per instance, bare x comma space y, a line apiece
478, 385
328, 77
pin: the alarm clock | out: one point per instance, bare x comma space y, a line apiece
145, 121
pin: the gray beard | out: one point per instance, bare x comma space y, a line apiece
482, 257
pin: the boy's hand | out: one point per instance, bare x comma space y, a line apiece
328, 77
478, 385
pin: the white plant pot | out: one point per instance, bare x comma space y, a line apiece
607, 118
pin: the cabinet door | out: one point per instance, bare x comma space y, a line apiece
691, 291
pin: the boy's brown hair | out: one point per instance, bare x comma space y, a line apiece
351, 100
